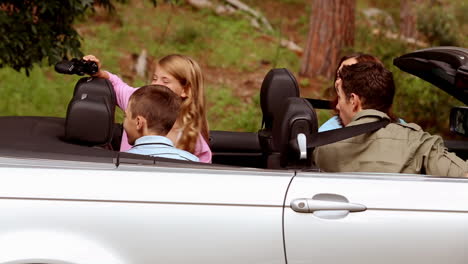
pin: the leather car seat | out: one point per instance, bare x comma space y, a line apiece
293, 128
90, 114
277, 86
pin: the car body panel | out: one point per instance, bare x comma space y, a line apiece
143, 214
409, 219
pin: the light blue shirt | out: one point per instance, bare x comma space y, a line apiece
334, 123
159, 146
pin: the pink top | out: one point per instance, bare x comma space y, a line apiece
123, 92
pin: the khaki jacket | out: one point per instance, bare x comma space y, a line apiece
396, 148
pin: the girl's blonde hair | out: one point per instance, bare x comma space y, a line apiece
192, 110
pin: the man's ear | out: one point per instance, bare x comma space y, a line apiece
356, 102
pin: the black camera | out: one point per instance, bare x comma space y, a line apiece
76, 66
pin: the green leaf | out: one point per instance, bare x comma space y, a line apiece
43, 30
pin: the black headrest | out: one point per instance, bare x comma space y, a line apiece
278, 85
95, 87
296, 116
90, 113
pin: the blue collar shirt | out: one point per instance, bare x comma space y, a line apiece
159, 146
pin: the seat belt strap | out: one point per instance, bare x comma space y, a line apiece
319, 103
335, 135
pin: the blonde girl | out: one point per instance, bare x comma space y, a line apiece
183, 76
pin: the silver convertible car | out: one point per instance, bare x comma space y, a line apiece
68, 196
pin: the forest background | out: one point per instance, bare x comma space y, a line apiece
235, 55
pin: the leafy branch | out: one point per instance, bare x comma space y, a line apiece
36, 31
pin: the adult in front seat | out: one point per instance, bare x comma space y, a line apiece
335, 122
365, 94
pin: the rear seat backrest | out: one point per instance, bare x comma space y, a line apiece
90, 113
278, 85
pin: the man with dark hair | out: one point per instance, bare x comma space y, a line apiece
150, 115
365, 94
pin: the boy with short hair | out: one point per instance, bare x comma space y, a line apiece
150, 115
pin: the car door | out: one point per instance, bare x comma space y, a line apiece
80, 212
219, 215
376, 218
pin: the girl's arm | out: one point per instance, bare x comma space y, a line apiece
122, 90
100, 73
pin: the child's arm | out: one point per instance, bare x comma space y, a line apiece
100, 73
122, 90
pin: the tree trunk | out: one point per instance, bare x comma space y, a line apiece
331, 29
408, 18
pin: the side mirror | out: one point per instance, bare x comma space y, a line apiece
459, 120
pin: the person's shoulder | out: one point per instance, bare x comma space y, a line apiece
186, 155
405, 130
133, 151
411, 126
412, 133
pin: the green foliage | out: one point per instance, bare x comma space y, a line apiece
439, 25
304, 82
390, 7
420, 102
228, 49
228, 112
31, 32
323, 115
34, 31
185, 36
36, 95
461, 9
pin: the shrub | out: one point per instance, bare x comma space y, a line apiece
438, 24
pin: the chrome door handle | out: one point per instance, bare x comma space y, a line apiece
307, 205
